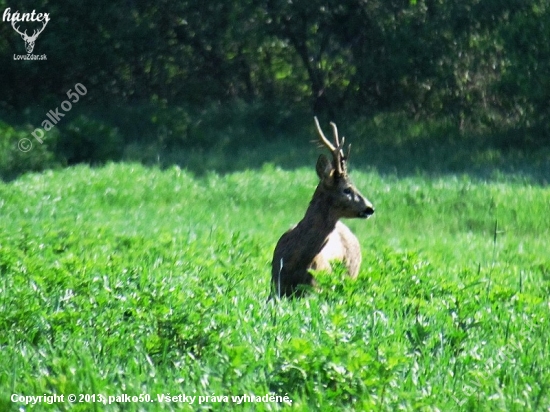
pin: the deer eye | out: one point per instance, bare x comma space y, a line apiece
347, 191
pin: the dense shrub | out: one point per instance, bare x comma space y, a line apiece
479, 62
90, 140
20, 152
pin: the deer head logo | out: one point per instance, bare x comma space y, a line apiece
29, 40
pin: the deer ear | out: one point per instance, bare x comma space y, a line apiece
324, 167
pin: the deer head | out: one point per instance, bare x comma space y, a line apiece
342, 196
29, 40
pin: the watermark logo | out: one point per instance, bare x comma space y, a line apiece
15, 18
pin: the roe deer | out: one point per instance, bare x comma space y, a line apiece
320, 237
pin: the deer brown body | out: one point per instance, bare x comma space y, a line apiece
320, 237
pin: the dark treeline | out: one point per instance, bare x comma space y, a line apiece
477, 62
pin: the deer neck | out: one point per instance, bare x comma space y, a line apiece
317, 223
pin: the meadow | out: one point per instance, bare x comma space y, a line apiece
126, 279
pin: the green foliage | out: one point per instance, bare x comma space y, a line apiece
126, 279
20, 152
259, 133
89, 140
201, 139
481, 63
525, 79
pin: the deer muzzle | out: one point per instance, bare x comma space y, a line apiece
368, 212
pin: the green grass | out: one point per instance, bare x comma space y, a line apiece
132, 280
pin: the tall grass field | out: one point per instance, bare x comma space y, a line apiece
136, 289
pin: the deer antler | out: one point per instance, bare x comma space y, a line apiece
336, 151
24, 35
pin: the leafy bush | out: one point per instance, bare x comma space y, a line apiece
20, 152
89, 140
